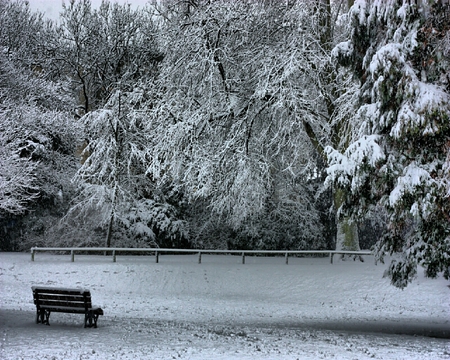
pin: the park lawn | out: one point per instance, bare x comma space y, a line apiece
223, 309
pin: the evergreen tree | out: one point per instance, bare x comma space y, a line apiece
398, 161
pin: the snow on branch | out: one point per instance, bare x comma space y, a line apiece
425, 107
17, 183
385, 58
414, 176
343, 167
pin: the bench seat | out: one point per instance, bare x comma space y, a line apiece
68, 309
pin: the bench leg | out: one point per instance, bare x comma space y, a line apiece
47, 317
42, 317
95, 320
90, 320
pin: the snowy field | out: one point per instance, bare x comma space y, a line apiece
222, 309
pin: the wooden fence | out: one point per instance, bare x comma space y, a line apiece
157, 252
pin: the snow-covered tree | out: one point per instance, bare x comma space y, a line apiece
37, 152
26, 36
18, 185
337, 92
100, 47
398, 160
117, 194
240, 96
108, 54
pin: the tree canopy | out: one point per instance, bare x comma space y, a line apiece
229, 124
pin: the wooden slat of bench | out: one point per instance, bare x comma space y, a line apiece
64, 303
66, 297
64, 309
95, 310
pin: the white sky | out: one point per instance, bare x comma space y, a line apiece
52, 8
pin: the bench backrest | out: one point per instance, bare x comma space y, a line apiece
72, 298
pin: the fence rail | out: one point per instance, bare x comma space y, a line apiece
158, 251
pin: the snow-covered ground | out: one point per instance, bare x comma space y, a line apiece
222, 309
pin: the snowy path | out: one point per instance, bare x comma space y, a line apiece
222, 309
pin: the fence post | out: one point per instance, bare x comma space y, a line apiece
286, 256
32, 254
72, 254
243, 258
114, 255
331, 257
199, 257
157, 257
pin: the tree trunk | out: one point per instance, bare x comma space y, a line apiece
347, 237
111, 219
117, 156
109, 234
347, 230
326, 29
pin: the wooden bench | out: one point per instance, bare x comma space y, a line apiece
74, 301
